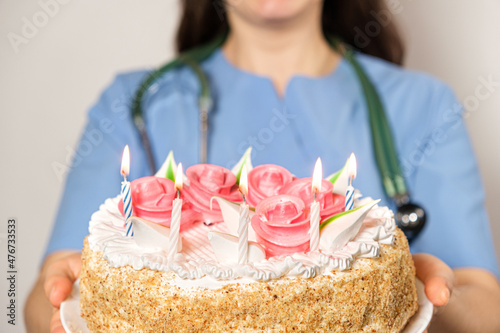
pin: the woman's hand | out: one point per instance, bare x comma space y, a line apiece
437, 277
59, 279
465, 299
54, 285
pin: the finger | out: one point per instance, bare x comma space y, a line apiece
59, 288
437, 277
56, 324
59, 278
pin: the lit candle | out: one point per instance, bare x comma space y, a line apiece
126, 193
244, 220
351, 172
315, 219
175, 222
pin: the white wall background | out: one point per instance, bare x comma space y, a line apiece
49, 80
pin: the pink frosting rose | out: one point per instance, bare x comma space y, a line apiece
330, 203
265, 181
207, 181
282, 225
152, 200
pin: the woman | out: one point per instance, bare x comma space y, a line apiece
279, 86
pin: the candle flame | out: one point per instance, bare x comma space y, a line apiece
317, 176
178, 177
125, 169
352, 167
244, 181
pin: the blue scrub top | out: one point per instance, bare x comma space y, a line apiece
323, 116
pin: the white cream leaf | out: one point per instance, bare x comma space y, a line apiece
169, 167
151, 235
244, 160
340, 180
231, 215
225, 247
339, 231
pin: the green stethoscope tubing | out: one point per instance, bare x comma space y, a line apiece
382, 137
190, 58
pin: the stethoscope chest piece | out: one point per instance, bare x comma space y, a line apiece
411, 219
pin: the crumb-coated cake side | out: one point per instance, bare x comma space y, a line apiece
375, 295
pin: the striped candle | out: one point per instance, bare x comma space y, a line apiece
314, 241
349, 198
127, 207
244, 219
175, 226
351, 172
126, 192
243, 234
315, 208
175, 221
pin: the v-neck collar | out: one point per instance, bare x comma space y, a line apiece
227, 67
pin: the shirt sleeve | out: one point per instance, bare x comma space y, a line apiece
94, 174
446, 181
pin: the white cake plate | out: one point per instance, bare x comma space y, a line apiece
419, 322
73, 323
70, 312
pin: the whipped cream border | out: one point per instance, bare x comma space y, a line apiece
197, 270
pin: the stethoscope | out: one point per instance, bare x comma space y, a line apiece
410, 217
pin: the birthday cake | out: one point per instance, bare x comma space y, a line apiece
276, 254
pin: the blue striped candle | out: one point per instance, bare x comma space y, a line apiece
126, 193
351, 172
127, 206
349, 198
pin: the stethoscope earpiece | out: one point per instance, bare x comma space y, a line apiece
410, 218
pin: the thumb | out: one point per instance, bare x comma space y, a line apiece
437, 277
56, 325
60, 275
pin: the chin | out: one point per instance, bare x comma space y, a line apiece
271, 11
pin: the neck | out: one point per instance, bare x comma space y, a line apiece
281, 50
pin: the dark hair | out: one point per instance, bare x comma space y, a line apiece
366, 25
